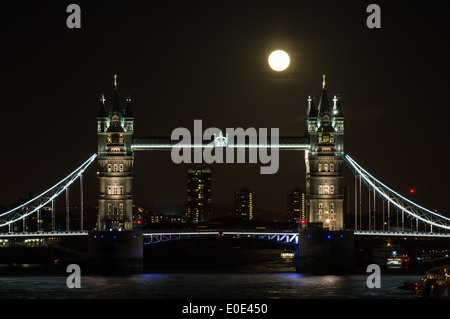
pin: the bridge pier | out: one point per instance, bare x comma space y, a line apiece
322, 251
115, 252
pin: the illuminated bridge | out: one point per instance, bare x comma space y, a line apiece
393, 201
389, 213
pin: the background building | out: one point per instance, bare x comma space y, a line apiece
199, 207
296, 206
244, 204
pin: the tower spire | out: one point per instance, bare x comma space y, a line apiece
324, 106
128, 112
115, 102
311, 109
102, 111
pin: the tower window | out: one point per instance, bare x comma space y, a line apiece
115, 121
331, 167
115, 190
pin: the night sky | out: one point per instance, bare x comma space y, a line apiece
208, 60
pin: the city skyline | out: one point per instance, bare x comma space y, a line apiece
223, 149
386, 80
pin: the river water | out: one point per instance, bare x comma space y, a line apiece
206, 286
268, 278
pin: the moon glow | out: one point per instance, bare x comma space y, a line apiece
279, 60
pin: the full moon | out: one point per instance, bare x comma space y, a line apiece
279, 60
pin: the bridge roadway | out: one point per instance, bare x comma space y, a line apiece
286, 236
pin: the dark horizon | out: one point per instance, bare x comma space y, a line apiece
181, 62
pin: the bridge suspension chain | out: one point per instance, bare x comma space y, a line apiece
35, 204
396, 200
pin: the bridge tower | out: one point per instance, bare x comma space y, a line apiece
325, 192
324, 245
115, 245
115, 160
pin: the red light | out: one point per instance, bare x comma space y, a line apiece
412, 191
138, 222
303, 222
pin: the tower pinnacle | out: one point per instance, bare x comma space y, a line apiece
115, 81
323, 82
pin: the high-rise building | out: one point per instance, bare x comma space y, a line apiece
199, 205
296, 206
244, 204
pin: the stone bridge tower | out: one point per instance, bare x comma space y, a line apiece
324, 245
324, 161
115, 247
115, 160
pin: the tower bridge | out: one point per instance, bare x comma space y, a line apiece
325, 159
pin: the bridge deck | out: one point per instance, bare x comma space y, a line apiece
282, 235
